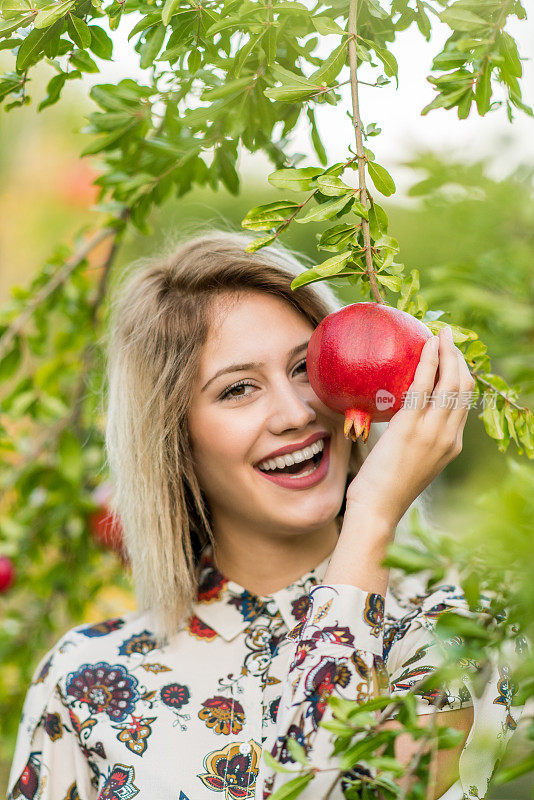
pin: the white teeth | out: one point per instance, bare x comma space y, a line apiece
293, 458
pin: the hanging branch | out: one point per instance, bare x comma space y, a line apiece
353, 61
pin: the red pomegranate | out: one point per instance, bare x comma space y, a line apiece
361, 359
7, 573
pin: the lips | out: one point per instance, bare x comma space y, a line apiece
299, 482
290, 448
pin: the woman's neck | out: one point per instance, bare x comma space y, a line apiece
264, 564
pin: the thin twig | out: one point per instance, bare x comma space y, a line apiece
356, 120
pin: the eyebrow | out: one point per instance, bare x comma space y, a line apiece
250, 365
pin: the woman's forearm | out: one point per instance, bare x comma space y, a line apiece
361, 547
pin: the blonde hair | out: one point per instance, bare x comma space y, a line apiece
158, 325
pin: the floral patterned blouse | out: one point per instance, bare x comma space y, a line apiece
110, 716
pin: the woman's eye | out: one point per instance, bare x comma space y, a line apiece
301, 367
236, 390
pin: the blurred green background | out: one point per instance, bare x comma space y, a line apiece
470, 236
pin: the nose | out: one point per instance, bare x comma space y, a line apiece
289, 408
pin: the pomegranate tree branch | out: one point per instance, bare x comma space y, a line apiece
356, 120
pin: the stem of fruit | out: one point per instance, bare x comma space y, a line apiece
356, 120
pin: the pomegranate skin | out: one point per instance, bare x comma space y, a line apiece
361, 350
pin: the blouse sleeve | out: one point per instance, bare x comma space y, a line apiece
48, 761
327, 657
418, 650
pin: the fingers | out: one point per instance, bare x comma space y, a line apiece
425, 375
448, 385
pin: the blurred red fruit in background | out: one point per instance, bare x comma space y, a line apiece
7, 573
104, 525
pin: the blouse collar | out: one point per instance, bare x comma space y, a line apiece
227, 608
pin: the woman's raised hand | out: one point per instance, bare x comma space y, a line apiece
421, 438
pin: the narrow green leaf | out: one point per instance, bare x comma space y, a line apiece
381, 178
11, 361
325, 26
101, 44
325, 210
391, 68
70, 456
360, 210
331, 68
296, 750
289, 94
83, 61
392, 282
460, 19
292, 789
31, 48
492, 419
78, 31
333, 265
483, 89
296, 179
269, 215
508, 50
229, 87
13, 9
150, 49
50, 14
508, 774
332, 186
316, 139
167, 10
273, 763
260, 242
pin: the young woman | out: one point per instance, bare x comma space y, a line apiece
255, 533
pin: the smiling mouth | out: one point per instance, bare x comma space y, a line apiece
299, 463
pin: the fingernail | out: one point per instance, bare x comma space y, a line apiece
448, 332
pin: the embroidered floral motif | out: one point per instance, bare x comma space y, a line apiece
374, 613
52, 726
200, 630
120, 784
103, 628
142, 643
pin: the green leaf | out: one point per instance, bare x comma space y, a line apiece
106, 142
452, 624
50, 14
11, 361
167, 10
508, 50
483, 89
449, 737
333, 265
70, 456
378, 220
507, 774
13, 9
332, 186
78, 31
152, 45
83, 61
460, 19
325, 26
292, 789
408, 289
316, 139
391, 68
297, 180
393, 282
325, 210
261, 241
408, 558
229, 87
101, 44
273, 763
268, 216
329, 71
381, 178
296, 750
492, 419
31, 48
360, 210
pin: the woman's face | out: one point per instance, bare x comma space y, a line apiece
267, 451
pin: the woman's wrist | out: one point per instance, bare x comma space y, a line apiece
361, 547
